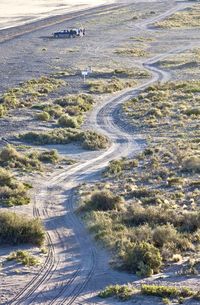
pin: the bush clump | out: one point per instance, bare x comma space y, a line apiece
43, 116
68, 121
49, 156
12, 192
11, 158
143, 259
166, 291
122, 292
192, 164
105, 201
88, 139
18, 229
23, 257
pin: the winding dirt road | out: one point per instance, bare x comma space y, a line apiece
75, 267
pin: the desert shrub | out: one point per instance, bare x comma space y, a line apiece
115, 167
26, 93
12, 192
11, 158
110, 86
55, 111
88, 139
23, 257
2, 111
184, 221
191, 164
136, 52
166, 291
143, 259
49, 156
164, 234
192, 111
94, 141
122, 292
67, 121
6, 178
105, 201
43, 116
19, 229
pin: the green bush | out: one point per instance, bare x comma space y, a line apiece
164, 234
123, 292
67, 121
166, 291
18, 229
43, 116
49, 156
143, 259
105, 201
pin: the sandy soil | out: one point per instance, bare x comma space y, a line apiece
76, 268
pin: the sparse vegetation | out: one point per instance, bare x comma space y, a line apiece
134, 51
167, 293
160, 186
28, 93
187, 18
19, 229
11, 158
109, 86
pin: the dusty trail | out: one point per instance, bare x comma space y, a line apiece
74, 266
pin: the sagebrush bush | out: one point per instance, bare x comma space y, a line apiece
166, 291
88, 139
67, 121
11, 158
49, 156
105, 201
19, 229
122, 292
192, 164
43, 116
143, 259
164, 234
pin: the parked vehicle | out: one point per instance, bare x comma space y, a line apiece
69, 33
